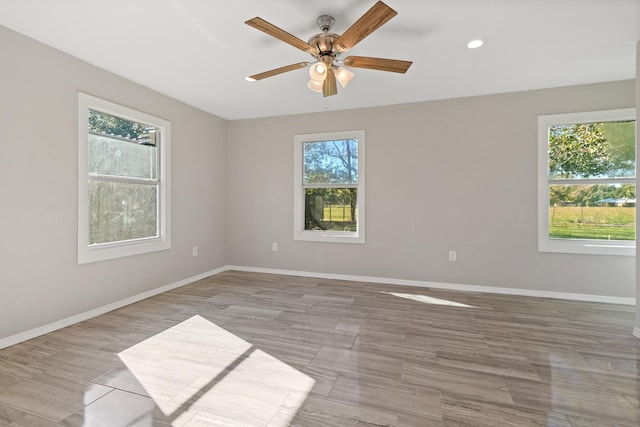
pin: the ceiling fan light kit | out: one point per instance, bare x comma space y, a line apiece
317, 72
315, 86
326, 47
343, 75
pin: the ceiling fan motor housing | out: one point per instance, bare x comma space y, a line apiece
324, 43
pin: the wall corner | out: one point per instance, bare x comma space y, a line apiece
636, 330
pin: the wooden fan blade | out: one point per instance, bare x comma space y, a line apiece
367, 24
277, 71
382, 64
280, 34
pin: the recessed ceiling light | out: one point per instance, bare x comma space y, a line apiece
474, 44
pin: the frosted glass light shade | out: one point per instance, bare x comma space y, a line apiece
318, 72
315, 86
343, 75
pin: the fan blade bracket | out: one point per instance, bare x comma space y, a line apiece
373, 19
280, 34
381, 64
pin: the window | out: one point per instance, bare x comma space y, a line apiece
123, 181
329, 187
587, 182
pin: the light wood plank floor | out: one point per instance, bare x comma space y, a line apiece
245, 349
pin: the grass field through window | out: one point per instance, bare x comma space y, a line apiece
592, 222
337, 213
337, 218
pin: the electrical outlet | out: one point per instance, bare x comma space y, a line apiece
274, 247
194, 250
452, 255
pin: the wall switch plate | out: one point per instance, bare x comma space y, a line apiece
195, 251
452, 255
274, 247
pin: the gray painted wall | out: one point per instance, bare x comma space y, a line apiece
40, 281
456, 174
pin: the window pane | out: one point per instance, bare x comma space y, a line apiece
332, 209
592, 150
122, 211
331, 162
120, 147
103, 123
621, 137
604, 212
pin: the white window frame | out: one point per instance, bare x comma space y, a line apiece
299, 233
575, 246
104, 251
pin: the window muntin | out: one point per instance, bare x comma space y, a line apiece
329, 187
587, 165
123, 188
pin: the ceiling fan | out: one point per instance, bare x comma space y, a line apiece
326, 47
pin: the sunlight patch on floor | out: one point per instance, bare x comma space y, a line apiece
197, 372
428, 300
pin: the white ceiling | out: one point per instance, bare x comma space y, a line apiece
199, 51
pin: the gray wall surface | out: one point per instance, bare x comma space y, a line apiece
40, 281
457, 174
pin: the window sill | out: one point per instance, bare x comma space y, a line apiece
107, 251
329, 237
587, 247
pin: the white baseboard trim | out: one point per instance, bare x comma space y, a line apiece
45, 329
449, 286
